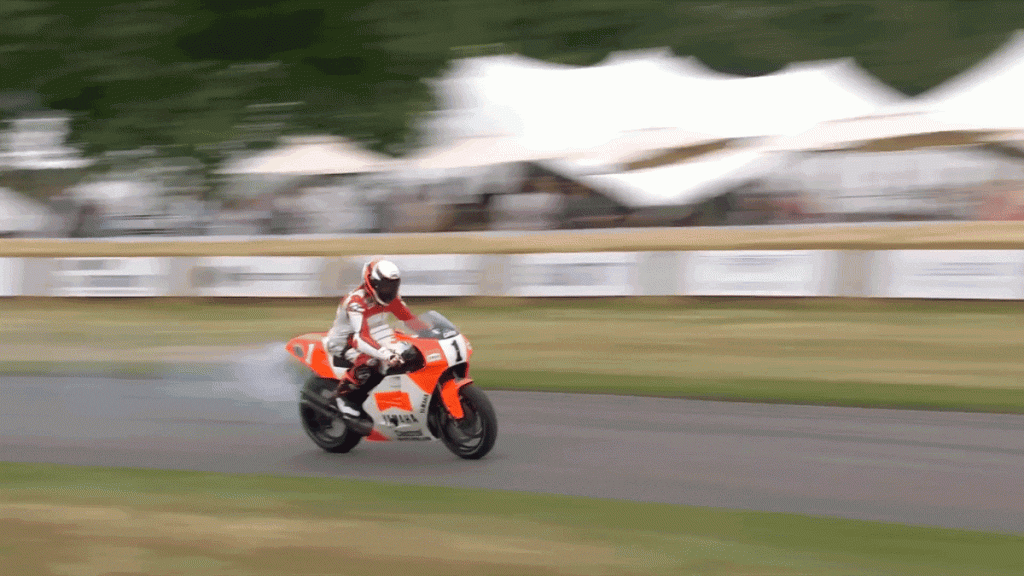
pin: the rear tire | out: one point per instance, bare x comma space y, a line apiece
329, 433
472, 436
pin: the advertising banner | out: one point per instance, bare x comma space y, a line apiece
11, 276
759, 273
113, 277
954, 274
574, 274
258, 276
439, 274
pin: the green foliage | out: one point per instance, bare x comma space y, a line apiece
198, 74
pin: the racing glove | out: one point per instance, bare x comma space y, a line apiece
391, 359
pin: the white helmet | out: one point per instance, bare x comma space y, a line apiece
382, 279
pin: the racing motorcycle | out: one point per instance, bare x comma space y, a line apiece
427, 396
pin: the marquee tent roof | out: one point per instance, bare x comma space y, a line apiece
474, 152
787, 102
685, 183
559, 107
637, 144
853, 132
987, 95
310, 156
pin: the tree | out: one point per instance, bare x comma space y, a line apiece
208, 77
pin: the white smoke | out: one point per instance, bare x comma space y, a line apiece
267, 374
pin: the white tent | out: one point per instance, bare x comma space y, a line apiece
685, 183
474, 152
19, 214
853, 132
598, 117
311, 156
636, 145
664, 58
987, 95
559, 107
787, 102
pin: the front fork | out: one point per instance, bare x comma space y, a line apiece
450, 396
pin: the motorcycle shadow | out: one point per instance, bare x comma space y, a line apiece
415, 460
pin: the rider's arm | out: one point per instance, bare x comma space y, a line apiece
361, 332
402, 312
337, 337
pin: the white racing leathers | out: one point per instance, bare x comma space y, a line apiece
361, 324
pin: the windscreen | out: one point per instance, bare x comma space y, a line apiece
440, 327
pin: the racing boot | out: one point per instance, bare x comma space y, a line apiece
346, 406
349, 400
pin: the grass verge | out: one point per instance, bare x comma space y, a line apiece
819, 393
907, 354
125, 521
823, 393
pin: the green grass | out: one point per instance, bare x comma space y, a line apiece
941, 355
78, 520
824, 393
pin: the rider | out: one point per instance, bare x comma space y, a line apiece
360, 336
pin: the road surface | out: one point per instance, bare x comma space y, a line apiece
928, 468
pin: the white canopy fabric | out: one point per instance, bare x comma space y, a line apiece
685, 183
601, 116
19, 214
312, 156
787, 102
635, 145
852, 132
475, 152
557, 107
988, 95
665, 59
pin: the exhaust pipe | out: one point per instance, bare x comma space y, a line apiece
317, 404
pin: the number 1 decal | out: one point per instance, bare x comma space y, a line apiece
458, 350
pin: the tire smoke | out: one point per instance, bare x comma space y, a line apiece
266, 374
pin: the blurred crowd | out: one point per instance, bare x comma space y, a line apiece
544, 203
898, 186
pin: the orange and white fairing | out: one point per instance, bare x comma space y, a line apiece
400, 403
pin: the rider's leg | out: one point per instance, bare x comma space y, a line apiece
353, 387
356, 374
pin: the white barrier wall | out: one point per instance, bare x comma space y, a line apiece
439, 274
981, 274
759, 273
948, 274
573, 274
110, 277
269, 276
11, 276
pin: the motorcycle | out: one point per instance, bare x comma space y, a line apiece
428, 396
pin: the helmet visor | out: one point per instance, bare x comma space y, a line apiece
386, 289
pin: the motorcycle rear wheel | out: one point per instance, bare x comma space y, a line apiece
472, 436
328, 432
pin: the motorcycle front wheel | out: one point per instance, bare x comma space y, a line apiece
472, 436
321, 421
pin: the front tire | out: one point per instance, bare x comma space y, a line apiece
328, 432
472, 436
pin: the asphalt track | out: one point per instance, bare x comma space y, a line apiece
928, 468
